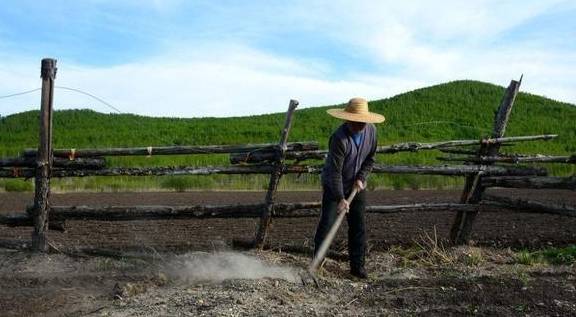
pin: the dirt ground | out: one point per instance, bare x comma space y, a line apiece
464, 281
493, 226
483, 279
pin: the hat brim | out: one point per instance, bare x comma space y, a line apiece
369, 117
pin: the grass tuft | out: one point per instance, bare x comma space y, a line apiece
553, 255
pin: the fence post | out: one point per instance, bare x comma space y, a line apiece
44, 158
473, 188
275, 176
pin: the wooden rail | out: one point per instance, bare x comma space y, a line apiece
260, 157
533, 182
531, 206
78, 163
281, 210
446, 170
538, 158
176, 150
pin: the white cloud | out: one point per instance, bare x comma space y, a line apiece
411, 45
446, 40
244, 82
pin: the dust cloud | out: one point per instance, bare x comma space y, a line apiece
220, 266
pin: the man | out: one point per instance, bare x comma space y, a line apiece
350, 159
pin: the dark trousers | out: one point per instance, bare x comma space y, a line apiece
356, 226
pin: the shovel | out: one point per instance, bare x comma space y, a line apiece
330, 236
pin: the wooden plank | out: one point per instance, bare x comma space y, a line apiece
16, 220
414, 147
60, 214
522, 205
473, 190
14, 244
79, 163
123, 213
26, 220
531, 182
275, 176
420, 207
458, 170
269, 155
447, 170
514, 159
176, 150
143, 171
457, 151
44, 158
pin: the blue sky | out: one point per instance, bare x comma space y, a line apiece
226, 58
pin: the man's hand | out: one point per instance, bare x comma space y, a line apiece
360, 184
343, 206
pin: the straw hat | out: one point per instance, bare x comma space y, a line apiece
356, 110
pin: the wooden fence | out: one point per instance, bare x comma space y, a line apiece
278, 159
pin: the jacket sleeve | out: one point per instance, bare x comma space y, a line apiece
368, 163
337, 152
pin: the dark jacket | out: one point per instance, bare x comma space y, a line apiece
347, 162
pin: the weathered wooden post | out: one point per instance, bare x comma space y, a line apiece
473, 189
275, 176
44, 158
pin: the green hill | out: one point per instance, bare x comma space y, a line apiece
455, 110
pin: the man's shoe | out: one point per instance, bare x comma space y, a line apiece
359, 272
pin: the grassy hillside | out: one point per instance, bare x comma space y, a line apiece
455, 110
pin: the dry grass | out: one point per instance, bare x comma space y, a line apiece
428, 250
432, 251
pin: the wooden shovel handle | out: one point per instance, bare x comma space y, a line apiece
331, 234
